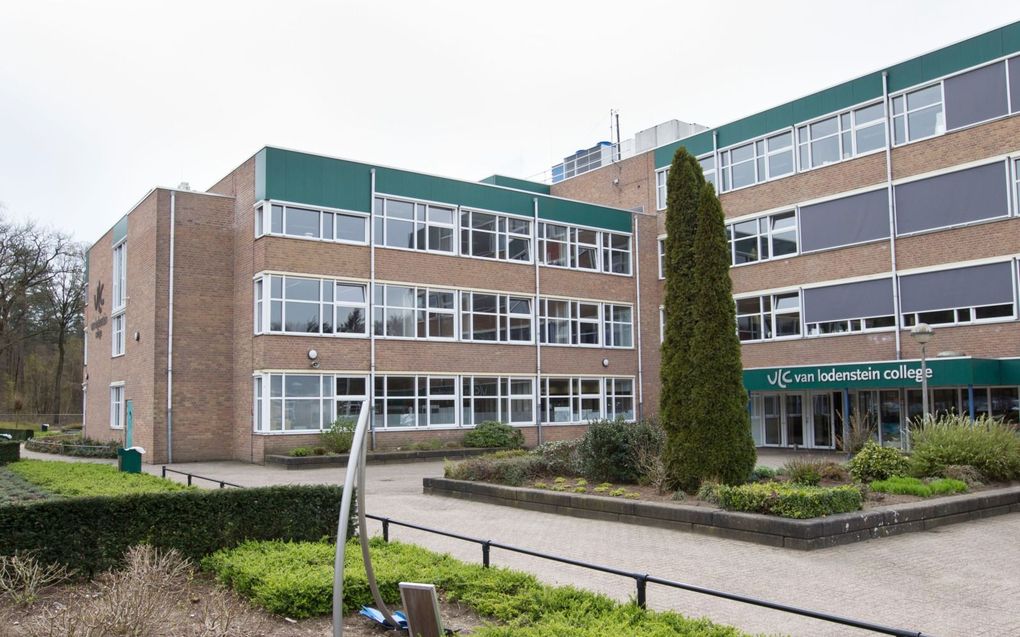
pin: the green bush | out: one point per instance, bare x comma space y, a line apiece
511, 469
10, 451
965, 473
989, 445
873, 462
611, 450
74, 479
761, 473
912, 486
709, 491
340, 435
74, 445
300, 452
560, 456
91, 535
804, 472
296, 580
492, 434
789, 500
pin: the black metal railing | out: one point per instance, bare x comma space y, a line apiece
222, 483
642, 580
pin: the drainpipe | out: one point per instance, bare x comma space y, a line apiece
637, 317
371, 306
892, 211
170, 340
538, 340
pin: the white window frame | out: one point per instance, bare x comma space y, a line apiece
262, 387
421, 222
902, 98
661, 177
609, 323
574, 320
766, 236
422, 397
118, 340
768, 317
327, 308
608, 251
503, 316
851, 326
574, 397
265, 211
505, 395
503, 235
381, 306
913, 318
712, 174
662, 256
612, 393
118, 409
119, 292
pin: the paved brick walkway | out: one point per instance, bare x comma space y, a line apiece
957, 580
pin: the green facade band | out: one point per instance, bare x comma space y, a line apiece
957, 57
285, 175
942, 372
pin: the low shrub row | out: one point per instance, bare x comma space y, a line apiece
512, 468
295, 580
75, 479
73, 445
912, 486
788, 500
494, 435
10, 451
91, 535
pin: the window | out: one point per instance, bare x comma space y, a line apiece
763, 238
662, 257
414, 226
408, 312
554, 244
739, 165
510, 400
563, 322
490, 236
779, 156
768, 317
959, 296
299, 305
620, 398
615, 253
619, 326
571, 400
119, 276
118, 334
708, 169
955, 198
846, 326
311, 223
117, 406
660, 188
841, 136
918, 114
496, 317
849, 307
306, 402
1016, 186
869, 128
415, 401
585, 255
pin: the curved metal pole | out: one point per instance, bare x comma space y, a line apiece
363, 537
356, 456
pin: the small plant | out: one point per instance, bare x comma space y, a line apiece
761, 473
803, 471
708, 491
492, 433
603, 488
581, 482
22, 577
877, 463
912, 486
632, 495
862, 429
541, 485
320, 451
580, 489
964, 473
560, 480
300, 452
340, 435
616, 493
559, 487
679, 495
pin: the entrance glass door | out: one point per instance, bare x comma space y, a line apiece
890, 423
794, 404
773, 416
821, 420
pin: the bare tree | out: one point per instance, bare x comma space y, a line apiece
64, 303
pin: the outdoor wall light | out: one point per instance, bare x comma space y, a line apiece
605, 362
312, 354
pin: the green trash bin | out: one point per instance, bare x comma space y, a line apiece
130, 460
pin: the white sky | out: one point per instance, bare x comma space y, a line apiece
100, 101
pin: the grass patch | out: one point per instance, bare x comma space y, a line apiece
85, 479
295, 580
912, 486
16, 490
789, 500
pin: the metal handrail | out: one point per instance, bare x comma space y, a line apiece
642, 579
222, 483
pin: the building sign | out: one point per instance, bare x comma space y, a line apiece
98, 301
940, 372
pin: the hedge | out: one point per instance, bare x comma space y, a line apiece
73, 445
10, 451
788, 500
90, 535
85, 479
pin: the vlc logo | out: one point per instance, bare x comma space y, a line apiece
780, 379
98, 301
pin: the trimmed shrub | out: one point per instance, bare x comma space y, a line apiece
300, 452
762, 473
10, 451
912, 486
512, 469
76, 479
74, 445
987, 444
91, 535
788, 500
560, 457
612, 450
494, 434
873, 462
296, 580
340, 435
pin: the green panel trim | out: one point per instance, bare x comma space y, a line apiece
339, 183
520, 184
942, 372
119, 230
955, 57
1010, 371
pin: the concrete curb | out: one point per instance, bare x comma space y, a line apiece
374, 457
805, 535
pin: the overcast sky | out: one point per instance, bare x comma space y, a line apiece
100, 101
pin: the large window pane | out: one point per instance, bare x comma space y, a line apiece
302, 222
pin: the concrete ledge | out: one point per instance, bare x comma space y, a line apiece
374, 457
805, 535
